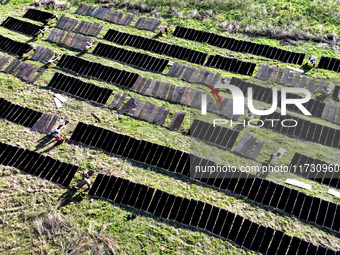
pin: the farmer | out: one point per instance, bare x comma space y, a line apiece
54, 58
166, 30
33, 47
160, 31
275, 156
312, 60
86, 178
250, 116
56, 131
55, 16
41, 31
88, 46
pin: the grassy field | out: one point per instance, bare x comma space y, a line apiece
40, 217
312, 17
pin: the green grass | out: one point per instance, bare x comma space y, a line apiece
32, 198
94, 159
27, 199
316, 17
